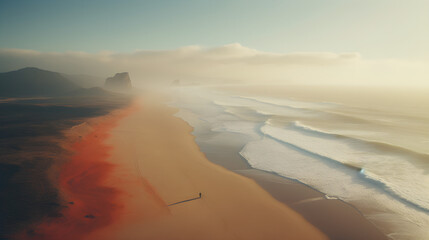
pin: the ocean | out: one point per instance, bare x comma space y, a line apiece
366, 146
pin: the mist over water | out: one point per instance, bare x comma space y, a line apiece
368, 147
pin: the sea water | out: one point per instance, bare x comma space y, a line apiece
369, 153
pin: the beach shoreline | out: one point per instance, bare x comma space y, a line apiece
154, 160
334, 217
160, 163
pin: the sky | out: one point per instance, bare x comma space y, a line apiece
375, 28
376, 31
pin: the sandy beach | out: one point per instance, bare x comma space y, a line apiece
157, 162
133, 171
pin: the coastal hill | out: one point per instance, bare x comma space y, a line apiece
32, 81
121, 81
35, 82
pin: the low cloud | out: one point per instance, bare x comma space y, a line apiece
231, 63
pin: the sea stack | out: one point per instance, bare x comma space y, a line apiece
121, 81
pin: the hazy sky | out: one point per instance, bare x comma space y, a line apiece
222, 41
374, 28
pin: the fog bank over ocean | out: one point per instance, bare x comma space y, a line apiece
366, 146
226, 64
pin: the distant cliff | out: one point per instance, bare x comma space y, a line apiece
121, 81
34, 82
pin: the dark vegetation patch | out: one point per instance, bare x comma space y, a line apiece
30, 131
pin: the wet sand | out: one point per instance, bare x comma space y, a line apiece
157, 162
335, 218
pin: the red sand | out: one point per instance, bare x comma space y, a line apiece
112, 200
93, 204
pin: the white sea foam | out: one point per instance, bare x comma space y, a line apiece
264, 108
338, 182
344, 132
248, 128
343, 156
292, 103
398, 174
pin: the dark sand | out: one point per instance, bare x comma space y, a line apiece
31, 137
92, 203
